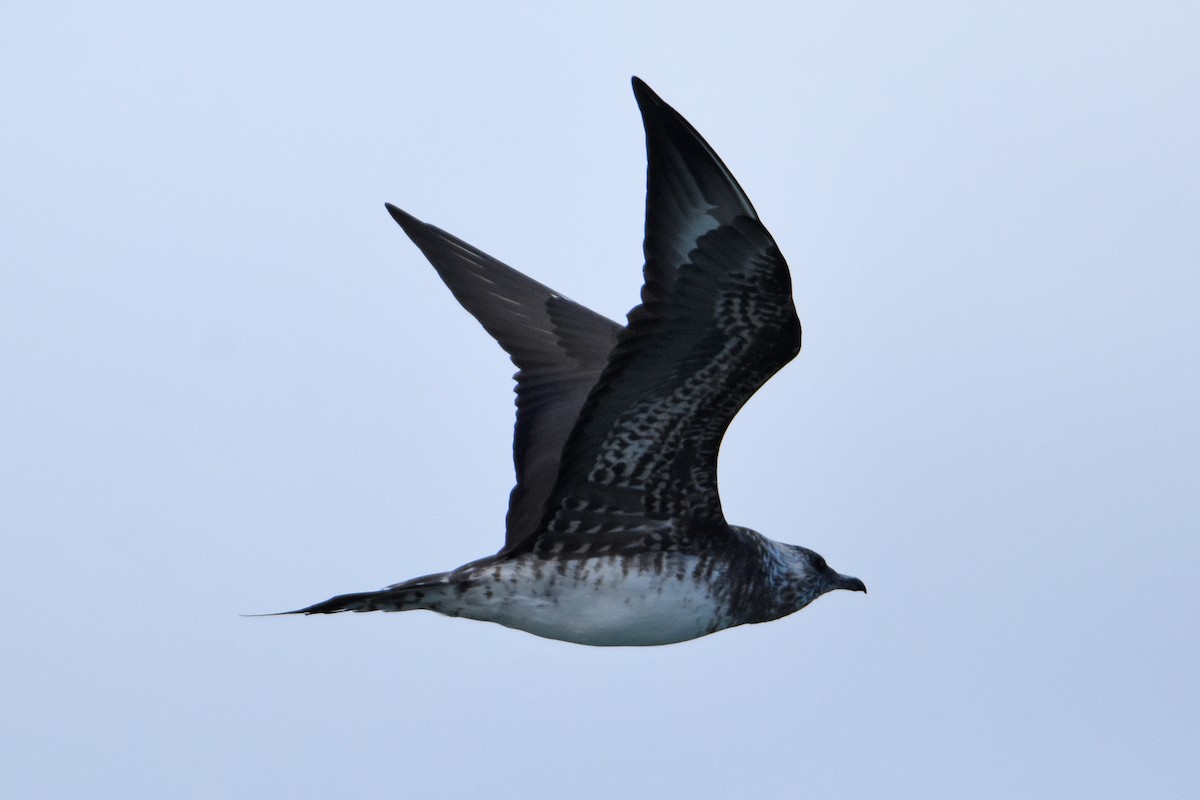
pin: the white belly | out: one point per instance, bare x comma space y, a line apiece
598, 601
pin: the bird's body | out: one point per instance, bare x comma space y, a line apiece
637, 594
645, 598
615, 532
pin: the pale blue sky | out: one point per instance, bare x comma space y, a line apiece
230, 384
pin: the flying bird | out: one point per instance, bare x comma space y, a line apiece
615, 533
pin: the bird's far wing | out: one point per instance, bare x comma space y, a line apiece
715, 322
558, 346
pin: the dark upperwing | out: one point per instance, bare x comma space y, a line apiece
715, 322
558, 346
642, 410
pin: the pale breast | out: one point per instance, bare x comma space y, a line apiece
656, 598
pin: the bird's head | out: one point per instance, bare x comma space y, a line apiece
811, 577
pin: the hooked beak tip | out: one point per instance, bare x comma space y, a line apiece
853, 585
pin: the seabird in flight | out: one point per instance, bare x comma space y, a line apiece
615, 532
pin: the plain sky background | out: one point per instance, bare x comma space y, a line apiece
229, 384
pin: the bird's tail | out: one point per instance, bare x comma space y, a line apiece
358, 601
422, 592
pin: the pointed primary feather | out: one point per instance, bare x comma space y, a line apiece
716, 321
558, 346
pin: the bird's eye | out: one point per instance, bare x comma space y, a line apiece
820, 564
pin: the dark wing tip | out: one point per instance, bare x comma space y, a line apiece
649, 103
675, 149
405, 220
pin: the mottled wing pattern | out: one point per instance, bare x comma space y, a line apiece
558, 346
716, 321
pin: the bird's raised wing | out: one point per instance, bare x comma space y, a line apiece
558, 346
715, 322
